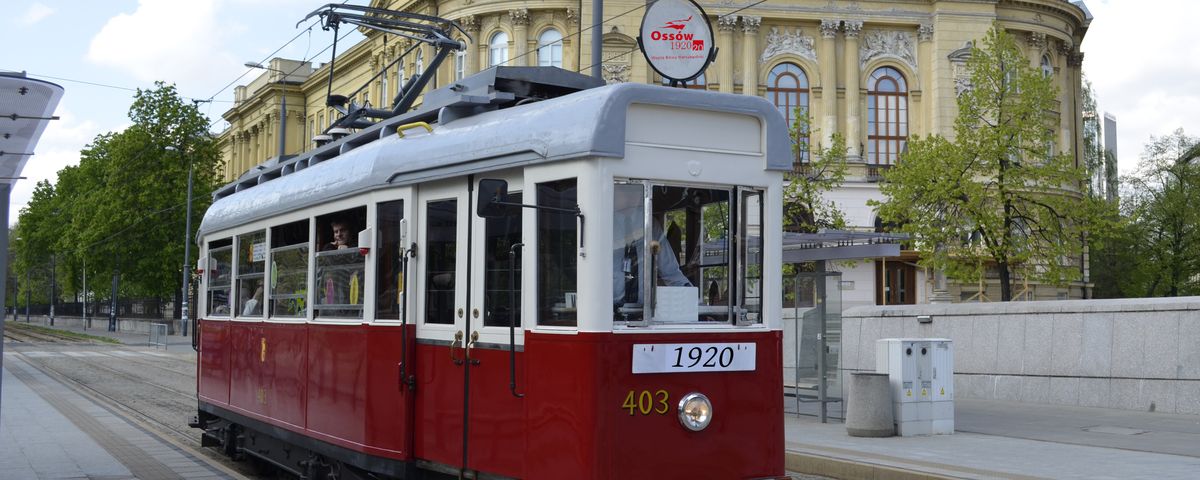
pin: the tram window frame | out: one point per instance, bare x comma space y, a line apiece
440, 311
750, 272
344, 267
247, 251
706, 261
391, 238
496, 290
557, 258
214, 282
289, 242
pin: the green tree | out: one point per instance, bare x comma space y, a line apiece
996, 194
123, 206
1163, 232
805, 208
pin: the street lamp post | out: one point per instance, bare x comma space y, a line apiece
53, 287
187, 247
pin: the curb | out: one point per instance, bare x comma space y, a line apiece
843, 469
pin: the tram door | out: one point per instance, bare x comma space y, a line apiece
466, 417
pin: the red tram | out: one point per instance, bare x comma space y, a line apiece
488, 315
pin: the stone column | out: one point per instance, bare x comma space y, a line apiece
925, 70
520, 24
828, 64
470, 23
725, 26
750, 54
1075, 64
571, 44
850, 77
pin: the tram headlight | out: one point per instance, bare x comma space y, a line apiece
695, 411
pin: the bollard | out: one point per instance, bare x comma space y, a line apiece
869, 407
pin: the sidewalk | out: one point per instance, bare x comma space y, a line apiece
996, 439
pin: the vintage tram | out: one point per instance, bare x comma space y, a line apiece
489, 316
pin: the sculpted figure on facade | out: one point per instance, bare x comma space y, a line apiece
795, 43
615, 72
894, 44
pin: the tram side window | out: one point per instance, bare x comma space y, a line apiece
751, 252
557, 246
389, 262
441, 232
220, 277
501, 233
339, 285
289, 270
686, 252
252, 259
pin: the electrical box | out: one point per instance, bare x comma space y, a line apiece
921, 375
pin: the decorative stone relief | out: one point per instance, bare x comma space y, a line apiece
958, 59
470, 23
852, 28
829, 28
1036, 41
519, 16
573, 16
1062, 48
893, 44
1075, 59
925, 32
795, 43
751, 24
615, 72
727, 23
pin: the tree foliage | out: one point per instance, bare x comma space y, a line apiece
997, 194
122, 207
1158, 247
805, 208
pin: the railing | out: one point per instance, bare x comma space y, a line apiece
875, 172
158, 335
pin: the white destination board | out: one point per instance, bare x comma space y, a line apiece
693, 357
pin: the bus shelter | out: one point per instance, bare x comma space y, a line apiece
812, 312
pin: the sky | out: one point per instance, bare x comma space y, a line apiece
1139, 55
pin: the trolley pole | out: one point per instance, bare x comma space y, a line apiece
597, 38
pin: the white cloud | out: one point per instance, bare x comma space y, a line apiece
1150, 80
166, 40
36, 13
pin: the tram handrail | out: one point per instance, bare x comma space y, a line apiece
400, 130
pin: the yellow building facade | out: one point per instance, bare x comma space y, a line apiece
875, 71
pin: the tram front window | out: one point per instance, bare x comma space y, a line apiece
686, 253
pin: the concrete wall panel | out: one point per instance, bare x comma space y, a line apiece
1096, 357
1125, 394
1064, 390
1067, 344
1129, 343
1010, 345
1189, 346
1162, 346
1094, 392
1035, 389
1038, 332
1159, 395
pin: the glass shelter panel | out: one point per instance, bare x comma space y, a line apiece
812, 324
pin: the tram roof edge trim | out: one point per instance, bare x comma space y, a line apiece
589, 123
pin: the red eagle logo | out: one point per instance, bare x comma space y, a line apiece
678, 25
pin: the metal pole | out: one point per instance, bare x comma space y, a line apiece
5, 190
28, 283
187, 251
53, 287
597, 37
86, 320
112, 311
821, 309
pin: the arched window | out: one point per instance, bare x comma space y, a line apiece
419, 63
550, 48
698, 83
460, 62
887, 116
498, 49
400, 77
787, 88
1047, 69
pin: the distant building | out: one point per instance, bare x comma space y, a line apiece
874, 71
1110, 157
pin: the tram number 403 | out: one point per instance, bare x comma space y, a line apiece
693, 357
646, 402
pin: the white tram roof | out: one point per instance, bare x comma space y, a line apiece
588, 123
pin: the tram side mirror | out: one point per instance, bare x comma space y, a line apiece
492, 193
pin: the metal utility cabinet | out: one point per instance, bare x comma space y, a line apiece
921, 374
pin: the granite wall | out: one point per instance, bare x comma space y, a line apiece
1134, 354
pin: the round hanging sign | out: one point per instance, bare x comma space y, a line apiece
676, 39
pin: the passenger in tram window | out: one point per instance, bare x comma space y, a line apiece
341, 235
628, 232
253, 306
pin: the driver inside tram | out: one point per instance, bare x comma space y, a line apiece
628, 234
